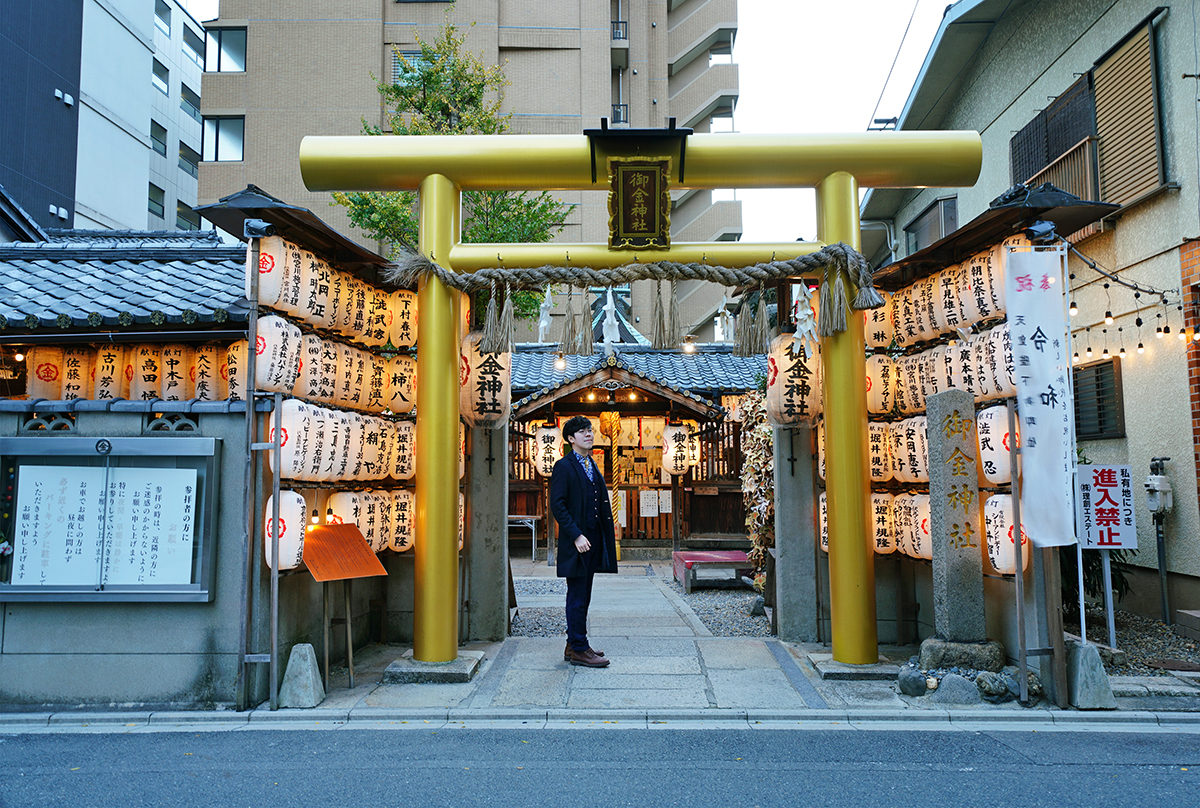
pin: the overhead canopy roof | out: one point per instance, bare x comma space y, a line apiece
1012, 211
296, 224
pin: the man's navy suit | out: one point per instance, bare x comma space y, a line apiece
581, 507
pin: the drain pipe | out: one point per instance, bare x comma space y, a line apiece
892, 245
1158, 502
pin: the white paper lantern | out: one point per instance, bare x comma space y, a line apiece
546, 449
978, 276
373, 445
968, 313
321, 443
821, 448
233, 371
355, 448
276, 270
403, 530
879, 446
402, 384
793, 384
485, 384
377, 329
997, 266
344, 429
277, 355
877, 323
78, 365
914, 450
44, 372
293, 521
308, 378
674, 449
359, 311
959, 368
923, 303
355, 389
883, 538
902, 523
315, 277
404, 465
823, 520
984, 386
347, 508
383, 512
933, 376
904, 322
881, 384
1001, 542
109, 373
375, 394
203, 372
991, 427
294, 423
922, 532
403, 305
910, 392
175, 361
1004, 374
326, 371
371, 520
147, 373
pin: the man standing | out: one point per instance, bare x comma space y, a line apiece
587, 541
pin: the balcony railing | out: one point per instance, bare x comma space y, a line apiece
620, 113
620, 29
1076, 172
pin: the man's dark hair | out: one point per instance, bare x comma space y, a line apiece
573, 425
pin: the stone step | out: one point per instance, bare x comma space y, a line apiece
1187, 623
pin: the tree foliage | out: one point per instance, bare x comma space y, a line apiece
447, 90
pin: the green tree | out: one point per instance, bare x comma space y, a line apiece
447, 90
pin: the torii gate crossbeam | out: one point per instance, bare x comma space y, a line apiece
440, 167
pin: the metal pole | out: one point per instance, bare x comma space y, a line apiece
1108, 599
435, 585
346, 586
848, 485
1019, 550
278, 454
250, 486
676, 517
1079, 569
1160, 538
325, 626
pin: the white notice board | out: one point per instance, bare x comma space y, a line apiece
647, 502
664, 501
71, 532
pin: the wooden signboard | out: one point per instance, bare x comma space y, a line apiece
639, 203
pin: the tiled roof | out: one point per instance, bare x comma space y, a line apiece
121, 278
712, 370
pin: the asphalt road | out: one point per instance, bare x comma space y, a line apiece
597, 767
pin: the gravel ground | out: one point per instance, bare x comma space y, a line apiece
1143, 640
724, 612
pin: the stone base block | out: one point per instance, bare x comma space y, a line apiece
829, 668
407, 670
302, 679
980, 656
1087, 683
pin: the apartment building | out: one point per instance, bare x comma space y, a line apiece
103, 109
277, 71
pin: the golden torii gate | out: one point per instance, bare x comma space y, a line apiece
440, 167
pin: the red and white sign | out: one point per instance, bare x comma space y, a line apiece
1104, 495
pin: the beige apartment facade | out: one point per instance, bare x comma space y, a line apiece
278, 70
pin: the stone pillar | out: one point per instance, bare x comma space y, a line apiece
486, 528
955, 523
795, 536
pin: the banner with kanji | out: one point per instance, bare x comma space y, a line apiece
1106, 508
1037, 324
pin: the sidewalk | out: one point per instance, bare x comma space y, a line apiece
667, 670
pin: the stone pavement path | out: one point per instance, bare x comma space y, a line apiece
662, 658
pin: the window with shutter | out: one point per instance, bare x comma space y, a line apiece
1099, 401
1127, 120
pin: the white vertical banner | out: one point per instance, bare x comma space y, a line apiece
1037, 322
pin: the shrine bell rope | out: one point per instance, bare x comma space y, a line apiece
837, 263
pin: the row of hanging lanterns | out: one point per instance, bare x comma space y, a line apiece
901, 523
981, 365
955, 298
899, 450
138, 372
295, 281
385, 518
322, 445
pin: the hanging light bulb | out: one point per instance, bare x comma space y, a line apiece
1104, 353
20, 357
329, 516
1073, 309
1141, 348
316, 520
1108, 318
1075, 358
689, 344
560, 362
1121, 353
1088, 352
1182, 334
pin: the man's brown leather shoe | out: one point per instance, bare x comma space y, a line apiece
589, 659
567, 653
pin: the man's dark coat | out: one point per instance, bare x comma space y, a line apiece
575, 502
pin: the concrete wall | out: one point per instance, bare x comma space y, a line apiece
1035, 53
